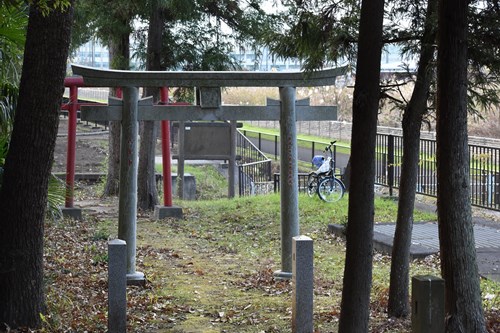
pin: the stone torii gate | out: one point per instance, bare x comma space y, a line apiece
131, 110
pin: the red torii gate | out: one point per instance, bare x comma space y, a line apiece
73, 83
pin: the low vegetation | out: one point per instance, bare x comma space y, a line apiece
212, 271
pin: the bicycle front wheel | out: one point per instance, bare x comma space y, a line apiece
330, 189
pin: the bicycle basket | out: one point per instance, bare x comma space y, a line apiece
318, 160
325, 167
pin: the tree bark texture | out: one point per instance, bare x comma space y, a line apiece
146, 178
463, 305
412, 120
119, 58
23, 197
112, 186
146, 185
359, 249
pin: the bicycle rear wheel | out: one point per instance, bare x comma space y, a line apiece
312, 184
330, 189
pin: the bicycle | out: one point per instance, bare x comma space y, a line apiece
323, 181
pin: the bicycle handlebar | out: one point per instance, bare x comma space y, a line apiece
329, 147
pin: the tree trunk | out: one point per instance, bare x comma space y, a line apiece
146, 184
463, 305
412, 120
23, 197
119, 55
359, 234
112, 186
146, 178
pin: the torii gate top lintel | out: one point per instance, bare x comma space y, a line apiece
120, 78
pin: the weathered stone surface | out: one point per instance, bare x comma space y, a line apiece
118, 78
117, 286
303, 285
427, 304
289, 182
162, 212
72, 212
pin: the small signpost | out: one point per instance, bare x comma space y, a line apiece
210, 108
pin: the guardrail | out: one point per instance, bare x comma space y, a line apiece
484, 166
313, 146
484, 169
302, 182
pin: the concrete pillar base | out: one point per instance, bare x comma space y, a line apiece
72, 212
162, 212
280, 275
136, 279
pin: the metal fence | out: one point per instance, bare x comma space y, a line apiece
484, 169
302, 181
254, 168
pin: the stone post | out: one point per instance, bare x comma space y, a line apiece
127, 226
117, 286
288, 180
303, 285
427, 304
232, 160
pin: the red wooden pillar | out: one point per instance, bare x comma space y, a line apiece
165, 152
119, 92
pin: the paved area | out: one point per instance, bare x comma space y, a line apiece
425, 241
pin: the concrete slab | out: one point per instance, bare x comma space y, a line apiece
425, 241
162, 212
72, 212
488, 262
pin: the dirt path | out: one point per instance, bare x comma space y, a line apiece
91, 149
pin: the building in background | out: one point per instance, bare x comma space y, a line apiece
94, 54
261, 60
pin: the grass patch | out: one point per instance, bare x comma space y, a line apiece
212, 271
211, 184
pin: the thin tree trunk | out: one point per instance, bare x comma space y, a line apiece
112, 185
23, 197
146, 186
146, 178
463, 305
359, 249
412, 120
119, 55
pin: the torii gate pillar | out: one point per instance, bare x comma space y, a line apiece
127, 225
289, 184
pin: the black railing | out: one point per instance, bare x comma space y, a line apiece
255, 178
254, 168
302, 182
388, 157
484, 169
313, 147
